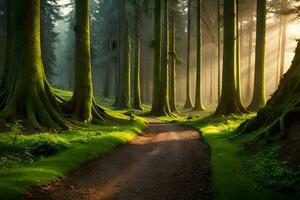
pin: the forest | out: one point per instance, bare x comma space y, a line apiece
150, 99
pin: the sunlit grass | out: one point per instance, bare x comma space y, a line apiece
230, 177
39, 159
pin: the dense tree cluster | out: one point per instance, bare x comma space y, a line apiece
138, 51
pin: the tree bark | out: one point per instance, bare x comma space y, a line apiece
250, 55
229, 103
259, 95
27, 93
198, 98
123, 101
283, 39
157, 59
173, 57
82, 106
219, 51
137, 103
188, 102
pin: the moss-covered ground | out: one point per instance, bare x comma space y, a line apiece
236, 173
30, 160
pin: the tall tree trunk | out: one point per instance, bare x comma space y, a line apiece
259, 95
82, 106
8, 49
239, 30
165, 103
188, 102
212, 100
219, 51
137, 103
173, 57
283, 38
229, 103
124, 91
250, 55
27, 92
156, 102
278, 72
198, 99
161, 106
118, 62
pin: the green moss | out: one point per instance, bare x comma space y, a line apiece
231, 179
271, 172
39, 159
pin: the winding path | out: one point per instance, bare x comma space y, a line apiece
168, 162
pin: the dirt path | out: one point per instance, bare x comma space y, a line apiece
168, 162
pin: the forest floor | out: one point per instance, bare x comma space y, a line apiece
167, 162
29, 160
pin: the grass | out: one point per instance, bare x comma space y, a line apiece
29, 161
230, 175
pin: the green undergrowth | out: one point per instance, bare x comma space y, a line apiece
237, 174
30, 160
278, 175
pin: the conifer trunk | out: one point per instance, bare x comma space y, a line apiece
173, 54
137, 103
250, 56
27, 93
259, 95
229, 103
219, 50
188, 102
157, 58
283, 38
123, 101
82, 106
198, 98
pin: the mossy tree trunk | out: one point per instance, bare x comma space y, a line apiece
198, 98
219, 50
281, 111
188, 102
157, 58
259, 94
173, 57
160, 105
7, 45
229, 103
250, 45
123, 101
137, 103
82, 106
239, 30
27, 93
165, 109
284, 18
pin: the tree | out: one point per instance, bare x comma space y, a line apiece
160, 104
273, 122
259, 95
198, 98
229, 103
137, 103
23, 95
2, 32
188, 102
82, 106
173, 56
123, 98
219, 49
